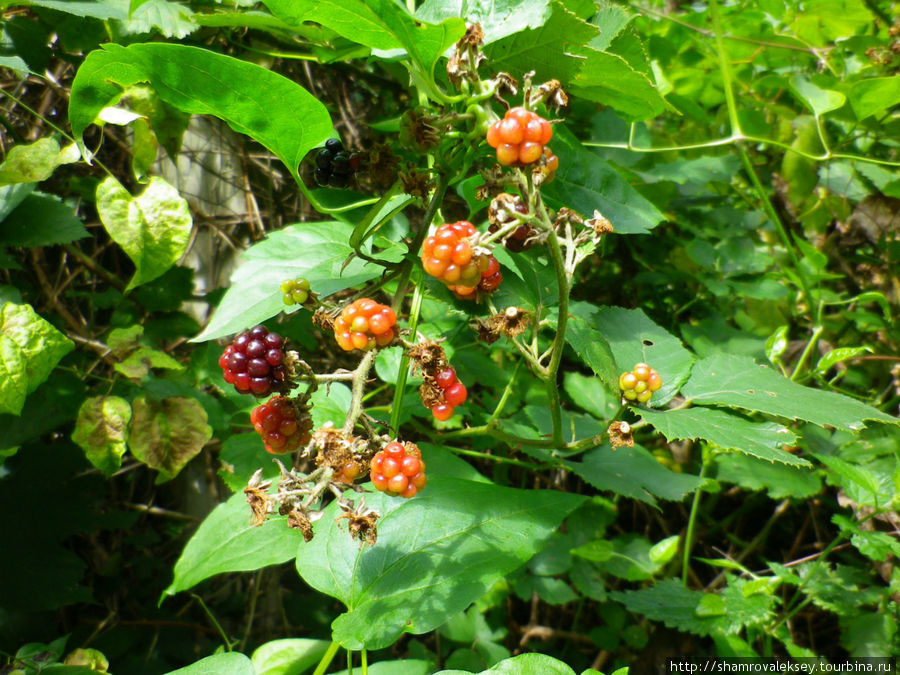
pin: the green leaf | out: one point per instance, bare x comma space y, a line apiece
379, 24
671, 603
290, 656
835, 356
820, 101
592, 347
227, 542
140, 361
524, 664
874, 96
101, 430
609, 79
664, 550
13, 377
41, 220
315, 251
763, 440
588, 392
872, 544
858, 474
586, 183
633, 338
232, 663
34, 162
545, 50
498, 19
153, 228
241, 456
42, 346
740, 382
779, 480
82, 8
165, 435
425, 569
633, 472
271, 109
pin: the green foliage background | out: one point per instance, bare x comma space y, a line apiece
746, 155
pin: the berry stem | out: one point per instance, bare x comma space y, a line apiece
403, 373
327, 658
359, 387
559, 339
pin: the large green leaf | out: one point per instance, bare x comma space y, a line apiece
165, 435
633, 338
379, 24
633, 472
290, 656
41, 220
875, 95
271, 109
152, 228
545, 50
34, 162
435, 555
102, 431
315, 251
227, 542
229, 663
586, 183
779, 480
609, 79
819, 100
763, 440
497, 18
523, 664
30, 348
738, 381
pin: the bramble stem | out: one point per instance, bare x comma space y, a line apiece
359, 387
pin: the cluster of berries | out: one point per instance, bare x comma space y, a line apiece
520, 137
449, 256
500, 213
640, 383
296, 291
454, 393
334, 165
398, 469
253, 362
282, 428
365, 324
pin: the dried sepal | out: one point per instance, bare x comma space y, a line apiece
258, 497
599, 224
620, 435
360, 521
511, 323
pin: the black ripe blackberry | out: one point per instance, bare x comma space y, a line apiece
334, 165
253, 362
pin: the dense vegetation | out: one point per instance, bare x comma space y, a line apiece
544, 200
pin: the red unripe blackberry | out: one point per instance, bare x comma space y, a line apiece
519, 138
253, 362
364, 325
398, 470
442, 412
281, 425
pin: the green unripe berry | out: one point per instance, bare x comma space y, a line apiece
630, 394
644, 396
640, 387
287, 286
302, 284
299, 296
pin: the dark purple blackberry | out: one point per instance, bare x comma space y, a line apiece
334, 165
253, 362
